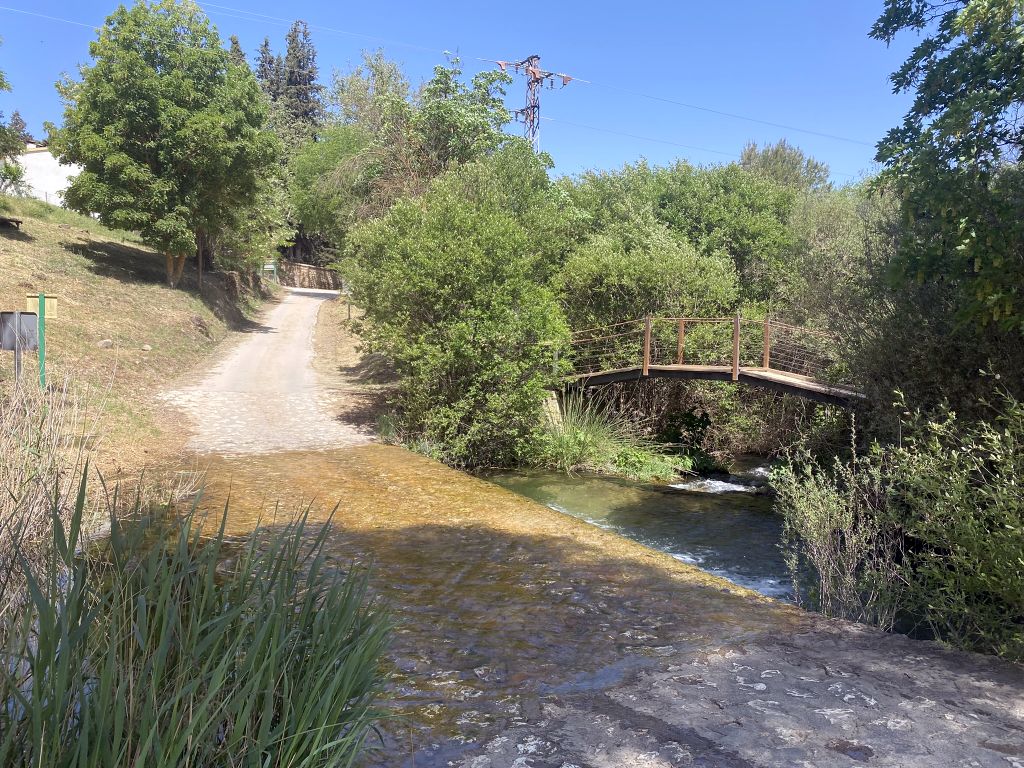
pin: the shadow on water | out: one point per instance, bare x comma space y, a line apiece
497, 602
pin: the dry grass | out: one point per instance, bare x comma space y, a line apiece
40, 463
110, 287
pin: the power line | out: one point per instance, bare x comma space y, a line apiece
254, 16
50, 18
224, 10
733, 115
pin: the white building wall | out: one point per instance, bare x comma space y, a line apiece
45, 178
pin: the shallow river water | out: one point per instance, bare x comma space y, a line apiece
498, 602
526, 638
724, 526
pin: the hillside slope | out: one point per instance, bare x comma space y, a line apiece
110, 287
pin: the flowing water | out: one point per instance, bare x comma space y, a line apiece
722, 525
498, 602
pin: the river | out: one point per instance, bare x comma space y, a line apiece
722, 524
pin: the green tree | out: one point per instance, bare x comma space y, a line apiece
267, 71
301, 94
635, 269
786, 165
457, 123
12, 144
326, 190
371, 94
727, 208
454, 287
169, 134
19, 127
956, 157
236, 52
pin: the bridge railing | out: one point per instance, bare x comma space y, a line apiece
733, 343
607, 348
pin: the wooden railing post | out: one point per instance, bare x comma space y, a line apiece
766, 361
681, 345
647, 344
736, 348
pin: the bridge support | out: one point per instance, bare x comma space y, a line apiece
736, 347
647, 345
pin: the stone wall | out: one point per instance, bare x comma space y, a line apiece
297, 275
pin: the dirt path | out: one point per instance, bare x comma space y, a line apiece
265, 395
528, 639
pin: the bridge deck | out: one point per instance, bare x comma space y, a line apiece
792, 383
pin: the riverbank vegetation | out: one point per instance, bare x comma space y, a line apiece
475, 265
587, 436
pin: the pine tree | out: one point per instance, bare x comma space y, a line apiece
236, 52
18, 127
301, 92
267, 71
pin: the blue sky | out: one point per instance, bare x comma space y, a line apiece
799, 63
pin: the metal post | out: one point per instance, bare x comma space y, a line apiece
736, 348
17, 349
766, 361
647, 345
42, 341
680, 346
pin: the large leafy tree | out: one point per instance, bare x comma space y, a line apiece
744, 214
454, 286
956, 158
170, 134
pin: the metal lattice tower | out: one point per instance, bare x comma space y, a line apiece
531, 112
535, 79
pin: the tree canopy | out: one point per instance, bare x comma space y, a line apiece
956, 159
170, 135
787, 165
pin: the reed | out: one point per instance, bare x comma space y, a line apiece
166, 645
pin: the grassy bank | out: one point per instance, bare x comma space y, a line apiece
117, 328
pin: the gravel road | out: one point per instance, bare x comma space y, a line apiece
264, 395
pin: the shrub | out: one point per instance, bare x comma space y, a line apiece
163, 646
637, 269
454, 289
934, 525
834, 528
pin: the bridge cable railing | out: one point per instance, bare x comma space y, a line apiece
733, 343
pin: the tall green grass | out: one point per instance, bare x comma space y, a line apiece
161, 646
590, 437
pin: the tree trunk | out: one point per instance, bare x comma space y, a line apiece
179, 269
170, 270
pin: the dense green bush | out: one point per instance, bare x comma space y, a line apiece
735, 211
454, 285
635, 269
164, 645
935, 525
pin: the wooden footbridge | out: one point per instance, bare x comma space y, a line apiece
767, 353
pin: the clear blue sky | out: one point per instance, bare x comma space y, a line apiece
803, 63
